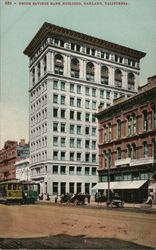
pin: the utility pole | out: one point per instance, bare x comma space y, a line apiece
108, 199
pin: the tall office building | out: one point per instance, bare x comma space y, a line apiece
71, 74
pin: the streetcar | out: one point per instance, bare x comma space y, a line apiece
18, 192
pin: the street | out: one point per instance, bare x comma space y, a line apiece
77, 227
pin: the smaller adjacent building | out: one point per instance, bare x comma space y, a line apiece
9, 155
127, 144
23, 170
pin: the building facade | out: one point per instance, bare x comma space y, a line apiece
9, 155
71, 74
127, 144
23, 170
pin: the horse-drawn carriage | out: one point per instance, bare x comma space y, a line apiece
77, 199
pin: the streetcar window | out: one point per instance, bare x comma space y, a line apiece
19, 187
30, 187
35, 187
25, 187
14, 186
9, 186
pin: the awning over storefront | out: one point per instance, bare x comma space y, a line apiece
120, 185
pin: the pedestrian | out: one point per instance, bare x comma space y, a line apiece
149, 200
56, 198
88, 197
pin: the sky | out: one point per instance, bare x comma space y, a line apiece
132, 25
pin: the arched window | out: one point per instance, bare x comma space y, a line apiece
134, 123
39, 70
104, 75
90, 72
145, 122
129, 125
109, 158
58, 61
119, 153
145, 149
75, 68
105, 133
129, 151
105, 159
119, 128
131, 81
118, 78
45, 64
109, 131
134, 151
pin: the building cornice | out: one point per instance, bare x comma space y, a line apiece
51, 29
127, 104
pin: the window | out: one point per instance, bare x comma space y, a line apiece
55, 155
71, 101
79, 187
55, 98
87, 130
154, 149
93, 171
109, 158
94, 105
63, 187
71, 170
58, 64
118, 78
129, 151
63, 142
105, 159
87, 157
63, 86
119, 153
86, 170
55, 126
131, 81
145, 149
71, 187
79, 116
71, 143
110, 131
62, 113
134, 124
71, 114
87, 143
90, 72
145, 123
93, 144
93, 131
71, 129
55, 141
79, 103
102, 54
55, 112
61, 43
119, 128
62, 127
78, 130
55, 169
62, 100
94, 92
78, 143
129, 125
101, 94
93, 157
104, 75
56, 41
63, 170
154, 117
87, 104
55, 84
78, 156
134, 151
107, 56
71, 156
105, 133
74, 68
72, 88
115, 95
93, 118
62, 156
55, 187
108, 95
87, 91
78, 89
87, 117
